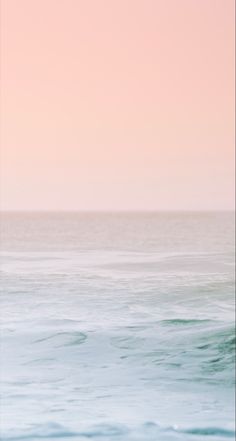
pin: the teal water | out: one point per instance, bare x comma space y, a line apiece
117, 326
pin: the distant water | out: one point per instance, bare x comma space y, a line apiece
117, 327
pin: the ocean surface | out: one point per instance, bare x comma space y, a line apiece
117, 327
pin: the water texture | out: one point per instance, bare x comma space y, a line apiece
117, 326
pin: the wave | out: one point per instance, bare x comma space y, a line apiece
148, 431
65, 338
184, 322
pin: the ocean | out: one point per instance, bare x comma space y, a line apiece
117, 326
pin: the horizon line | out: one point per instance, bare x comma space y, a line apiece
117, 211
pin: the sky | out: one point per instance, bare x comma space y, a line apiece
117, 105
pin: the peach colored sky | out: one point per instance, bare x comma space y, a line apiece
117, 104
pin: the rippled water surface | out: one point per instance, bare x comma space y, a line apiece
117, 326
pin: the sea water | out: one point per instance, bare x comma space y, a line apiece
117, 326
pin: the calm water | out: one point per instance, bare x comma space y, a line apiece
117, 327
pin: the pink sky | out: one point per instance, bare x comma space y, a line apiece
113, 105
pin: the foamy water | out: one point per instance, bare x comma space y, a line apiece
117, 326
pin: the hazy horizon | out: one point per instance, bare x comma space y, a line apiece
106, 211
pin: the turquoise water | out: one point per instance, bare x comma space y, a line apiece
117, 326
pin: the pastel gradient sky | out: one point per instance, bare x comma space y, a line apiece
117, 104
